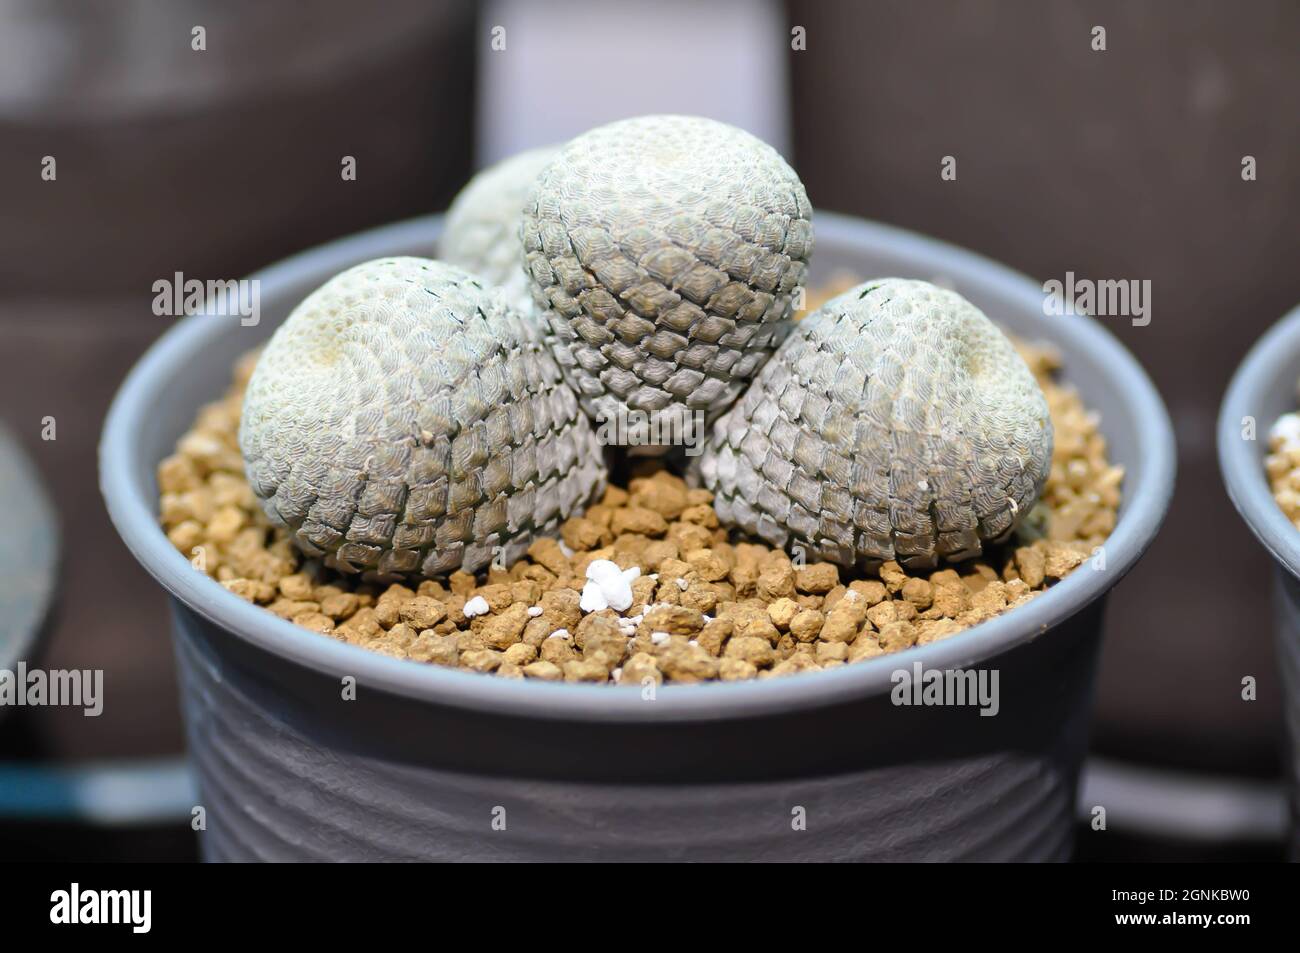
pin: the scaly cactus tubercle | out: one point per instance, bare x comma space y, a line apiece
896, 422
666, 251
404, 420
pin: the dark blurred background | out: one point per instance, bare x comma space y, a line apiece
1122, 163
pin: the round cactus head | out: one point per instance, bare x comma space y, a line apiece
405, 421
896, 422
666, 251
482, 227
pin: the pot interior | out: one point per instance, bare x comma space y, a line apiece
191, 365
1264, 388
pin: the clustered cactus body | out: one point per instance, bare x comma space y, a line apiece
405, 420
666, 251
410, 418
897, 422
481, 233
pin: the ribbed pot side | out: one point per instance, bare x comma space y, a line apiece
307, 748
1287, 639
288, 770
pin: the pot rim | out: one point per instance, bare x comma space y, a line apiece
1241, 465
133, 513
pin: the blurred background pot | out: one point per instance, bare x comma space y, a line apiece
435, 763
152, 134
1263, 389
167, 159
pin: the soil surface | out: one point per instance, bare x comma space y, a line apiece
682, 601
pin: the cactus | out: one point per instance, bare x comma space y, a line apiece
666, 251
896, 422
406, 421
482, 228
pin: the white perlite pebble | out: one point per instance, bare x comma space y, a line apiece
476, 606
1287, 429
534, 611
559, 634
602, 569
659, 638
593, 598
608, 587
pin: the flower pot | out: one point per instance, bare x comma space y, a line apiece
433, 763
1264, 388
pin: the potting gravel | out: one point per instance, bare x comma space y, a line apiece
701, 607
1283, 465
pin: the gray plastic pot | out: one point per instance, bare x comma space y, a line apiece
430, 763
1263, 389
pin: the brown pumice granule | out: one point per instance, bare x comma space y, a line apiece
703, 608
1283, 465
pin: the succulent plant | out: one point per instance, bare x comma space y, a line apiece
482, 227
896, 422
666, 251
404, 420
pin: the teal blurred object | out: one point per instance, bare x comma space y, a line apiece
111, 794
29, 557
